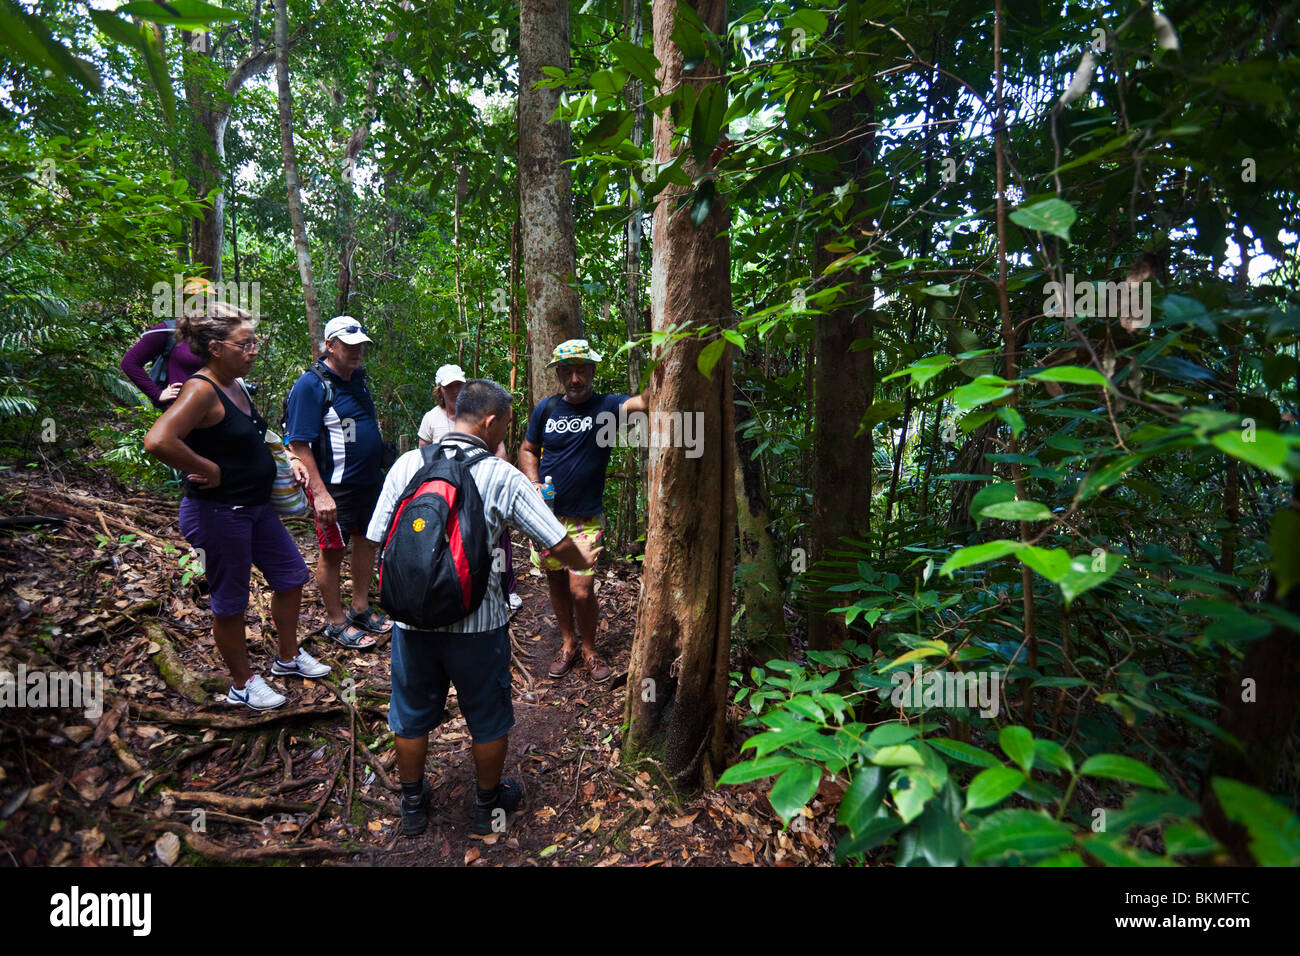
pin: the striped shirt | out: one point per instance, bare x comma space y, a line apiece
508, 499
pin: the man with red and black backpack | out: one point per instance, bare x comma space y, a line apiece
440, 512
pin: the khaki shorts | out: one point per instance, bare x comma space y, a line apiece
588, 530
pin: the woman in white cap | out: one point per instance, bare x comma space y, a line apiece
448, 382
437, 423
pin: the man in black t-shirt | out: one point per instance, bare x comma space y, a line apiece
562, 443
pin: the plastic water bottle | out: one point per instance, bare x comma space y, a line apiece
548, 493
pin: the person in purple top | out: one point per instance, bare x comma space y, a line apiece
160, 340
181, 363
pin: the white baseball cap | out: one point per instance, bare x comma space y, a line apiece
448, 374
347, 330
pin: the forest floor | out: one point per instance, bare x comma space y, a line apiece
169, 774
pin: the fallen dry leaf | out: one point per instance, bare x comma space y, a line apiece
471, 855
679, 822
592, 825
741, 855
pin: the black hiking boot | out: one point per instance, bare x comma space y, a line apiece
490, 817
415, 813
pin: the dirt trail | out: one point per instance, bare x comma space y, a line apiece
107, 591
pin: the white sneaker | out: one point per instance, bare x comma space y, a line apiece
304, 665
516, 602
257, 694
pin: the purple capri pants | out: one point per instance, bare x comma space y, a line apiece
233, 539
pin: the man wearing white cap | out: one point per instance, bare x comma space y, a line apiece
447, 384
333, 431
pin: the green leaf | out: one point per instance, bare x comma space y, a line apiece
1101, 479
978, 554
185, 14
940, 837
709, 356
1267, 450
901, 755
688, 38
793, 789
1286, 556
158, 73
960, 750
1053, 216
985, 389
911, 792
1274, 831
862, 799
812, 22
872, 835
990, 787
30, 40
637, 60
1071, 375
122, 32
923, 370
706, 121
758, 769
1018, 831
1119, 767
702, 203
891, 733
1051, 752
1082, 577
1018, 744
1053, 563
611, 128
995, 493
1016, 511
1012, 418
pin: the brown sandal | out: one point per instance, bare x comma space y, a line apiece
597, 669
563, 662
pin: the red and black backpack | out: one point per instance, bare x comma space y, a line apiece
436, 563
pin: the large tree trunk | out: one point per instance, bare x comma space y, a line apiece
677, 683
291, 181
545, 201
843, 380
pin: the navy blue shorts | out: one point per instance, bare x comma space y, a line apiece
426, 663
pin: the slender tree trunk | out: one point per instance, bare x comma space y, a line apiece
843, 380
677, 683
636, 460
1260, 704
545, 199
759, 577
212, 116
347, 219
285, 100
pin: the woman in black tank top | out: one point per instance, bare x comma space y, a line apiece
237, 446
216, 438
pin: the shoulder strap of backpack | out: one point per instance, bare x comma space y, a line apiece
316, 370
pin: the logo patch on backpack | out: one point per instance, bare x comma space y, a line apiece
418, 524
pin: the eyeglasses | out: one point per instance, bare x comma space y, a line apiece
245, 347
347, 330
